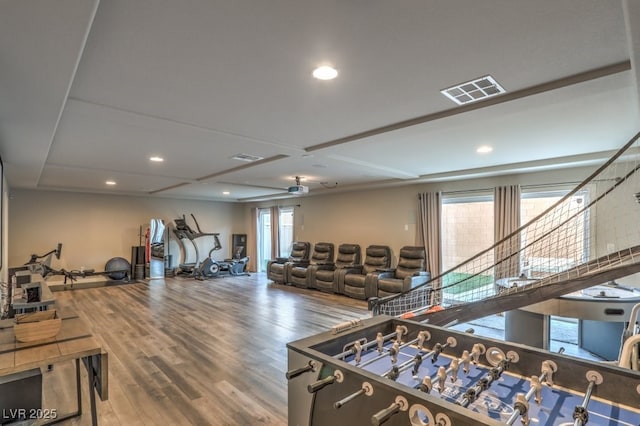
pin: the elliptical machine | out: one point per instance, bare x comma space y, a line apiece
185, 233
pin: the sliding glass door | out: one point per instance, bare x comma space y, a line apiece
265, 234
264, 239
285, 230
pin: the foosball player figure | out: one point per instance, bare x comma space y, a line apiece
401, 330
426, 385
380, 341
394, 352
535, 384
547, 370
442, 378
522, 405
437, 350
466, 360
422, 336
417, 361
394, 373
475, 353
357, 348
455, 366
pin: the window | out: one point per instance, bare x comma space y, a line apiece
468, 224
467, 229
265, 234
285, 230
569, 246
264, 238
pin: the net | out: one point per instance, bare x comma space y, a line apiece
588, 237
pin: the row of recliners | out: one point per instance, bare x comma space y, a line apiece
348, 274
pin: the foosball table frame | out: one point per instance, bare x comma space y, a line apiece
325, 389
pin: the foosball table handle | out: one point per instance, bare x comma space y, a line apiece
315, 387
298, 371
384, 415
337, 376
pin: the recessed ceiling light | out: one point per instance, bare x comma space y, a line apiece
474, 90
325, 73
156, 159
110, 182
484, 149
225, 193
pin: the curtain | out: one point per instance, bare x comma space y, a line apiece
506, 204
429, 219
252, 241
275, 234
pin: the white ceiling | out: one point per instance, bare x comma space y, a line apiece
90, 90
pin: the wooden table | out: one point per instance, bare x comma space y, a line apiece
73, 342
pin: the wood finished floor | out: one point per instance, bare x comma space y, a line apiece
195, 352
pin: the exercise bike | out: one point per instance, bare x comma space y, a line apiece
210, 268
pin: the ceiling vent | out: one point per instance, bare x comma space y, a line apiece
246, 158
474, 90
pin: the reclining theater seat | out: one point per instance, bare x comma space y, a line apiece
299, 273
409, 273
359, 281
300, 252
325, 277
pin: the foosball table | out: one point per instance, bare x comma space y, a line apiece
399, 372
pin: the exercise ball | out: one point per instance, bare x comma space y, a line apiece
117, 268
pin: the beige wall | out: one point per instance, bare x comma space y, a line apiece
368, 217
389, 216
95, 228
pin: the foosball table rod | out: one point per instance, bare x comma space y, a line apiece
472, 393
452, 371
580, 413
366, 389
380, 339
521, 405
417, 360
393, 351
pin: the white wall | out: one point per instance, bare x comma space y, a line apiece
95, 228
